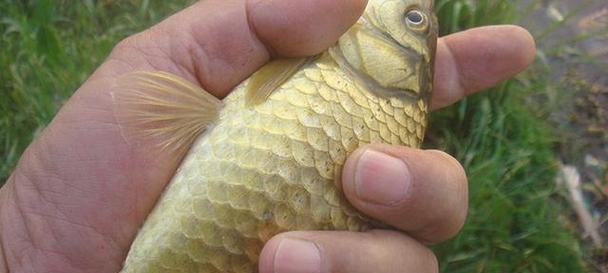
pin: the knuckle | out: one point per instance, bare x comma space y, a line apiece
158, 48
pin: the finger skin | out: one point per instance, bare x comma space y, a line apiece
377, 251
218, 43
477, 59
80, 192
295, 31
433, 205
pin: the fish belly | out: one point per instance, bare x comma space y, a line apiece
267, 169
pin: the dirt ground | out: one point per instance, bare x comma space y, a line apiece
577, 54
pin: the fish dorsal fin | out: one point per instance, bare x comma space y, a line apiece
163, 108
270, 77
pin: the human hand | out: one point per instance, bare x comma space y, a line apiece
80, 192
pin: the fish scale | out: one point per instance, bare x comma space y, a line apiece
214, 207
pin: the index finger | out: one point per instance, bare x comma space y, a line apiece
479, 58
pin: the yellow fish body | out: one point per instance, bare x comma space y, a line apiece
270, 153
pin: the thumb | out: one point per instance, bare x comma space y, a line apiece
218, 43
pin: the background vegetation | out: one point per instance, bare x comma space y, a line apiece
50, 47
506, 146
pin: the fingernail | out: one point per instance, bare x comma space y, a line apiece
381, 179
297, 256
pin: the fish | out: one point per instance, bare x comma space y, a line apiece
268, 157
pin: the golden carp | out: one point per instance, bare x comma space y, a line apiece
267, 158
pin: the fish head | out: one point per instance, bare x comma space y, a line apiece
392, 48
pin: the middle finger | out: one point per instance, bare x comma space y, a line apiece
421, 192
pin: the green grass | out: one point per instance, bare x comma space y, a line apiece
514, 224
505, 144
50, 47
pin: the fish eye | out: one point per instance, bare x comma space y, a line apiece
416, 20
415, 17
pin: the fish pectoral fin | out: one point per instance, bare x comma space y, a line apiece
270, 77
162, 108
